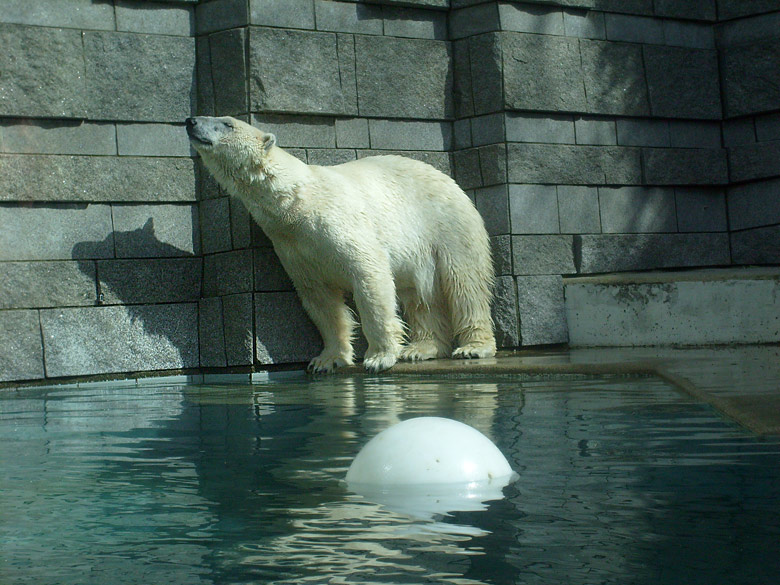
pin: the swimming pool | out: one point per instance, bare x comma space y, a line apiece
621, 480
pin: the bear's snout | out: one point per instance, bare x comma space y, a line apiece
199, 131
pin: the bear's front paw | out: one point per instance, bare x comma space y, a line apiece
326, 364
379, 362
421, 350
475, 350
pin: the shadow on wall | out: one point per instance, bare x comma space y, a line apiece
146, 316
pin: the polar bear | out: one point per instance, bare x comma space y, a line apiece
382, 228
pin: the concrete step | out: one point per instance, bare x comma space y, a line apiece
695, 307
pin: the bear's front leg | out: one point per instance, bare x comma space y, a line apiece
326, 308
375, 299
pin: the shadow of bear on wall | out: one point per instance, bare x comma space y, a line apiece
146, 313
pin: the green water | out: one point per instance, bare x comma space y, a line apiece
622, 480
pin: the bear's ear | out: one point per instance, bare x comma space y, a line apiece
269, 141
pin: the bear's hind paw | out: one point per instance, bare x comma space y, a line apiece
324, 364
379, 362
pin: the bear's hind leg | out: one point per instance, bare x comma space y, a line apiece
429, 328
335, 322
469, 299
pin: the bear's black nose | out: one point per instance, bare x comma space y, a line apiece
189, 123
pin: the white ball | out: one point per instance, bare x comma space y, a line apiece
426, 451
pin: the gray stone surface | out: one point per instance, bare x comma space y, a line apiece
57, 137
146, 281
81, 14
542, 311
474, 20
410, 135
701, 210
21, 353
241, 225
493, 164
505, 312
683, 83
540, 128
542, 73
533, 209
220, 15
693, 9
462, 86
584, 24
283, 331
347, 17
387, 85
754, 204
238, 323
749, 78
301, 72
578, 209
531, 19
685, 166
215, 229
620, 253
634, 29
486, 73
695, 134
626, 210
642, 132
282, 13
352, 133
689, 34
748, 30
299, 131
466, 165
493, 205
756, 246
204, 83
87, 178
26, 285
573, 165
121, 69
269, 275
756, 161
735, 8
211, 334
152, 140
329, 156
486, 130
155, 231
595, 131
768, 127
415, 24
62, 232
101, 340
228, 71
614, 77
43, 72
502, 254
154, 18
227, 273
738, 132
543, 254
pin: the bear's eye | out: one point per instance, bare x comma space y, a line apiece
230, 125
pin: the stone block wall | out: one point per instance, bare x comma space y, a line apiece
593, 136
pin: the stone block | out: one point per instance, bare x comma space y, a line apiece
329, 156
388, 87
493, 205
43, 72
486, 73
474, 20
147, 281
241, 224
739, 132
228, 68
282, 13
683, 83
578, 209
531, 19
89, 178
754, 204
487, 129
748, 78
747, 30
299, 131
533, 209
27, 285
352, 133
701, 210
689, 34
57, 137
227, 273
622, 253
540, 128
642, 132
614, 78
595, 132
461, 133
215, 229
211, 334
122, 67
152, 140
542, 311
410, 135
270, 276
156, 231
505, 312
756, 246
492, 164
755, 161
237, 318
347, 17
728, 9
221, 15
301, 72
692, 9
634, 29
502, 254
62, 232
157, 19
21, 353
573, 165
685, 166
467, 171
542, 73
543, 254
768, 127
438, 160
584, 24
80, 14
204, 83
415, 24
101, 340
694, 134
462, 86
283, 331
627, 210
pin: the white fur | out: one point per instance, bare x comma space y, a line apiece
380, 228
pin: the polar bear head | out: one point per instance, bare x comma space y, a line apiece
236, 153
